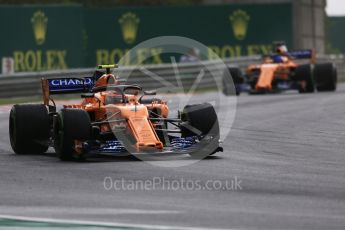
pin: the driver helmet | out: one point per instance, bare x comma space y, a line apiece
281, 48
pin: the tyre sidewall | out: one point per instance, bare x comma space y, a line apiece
29, 129
71, 125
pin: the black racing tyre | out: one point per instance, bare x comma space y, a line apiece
71, 125
150, 100
325, 75
202, 117
236, 76
303, 73
29, 129
253, 78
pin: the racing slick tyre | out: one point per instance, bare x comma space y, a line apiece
325, 77
29, 129
150, 100
71, 125
202, 118
237, 78
303, 73
253, 78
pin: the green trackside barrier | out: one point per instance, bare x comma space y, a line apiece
335, 35
41, 38
45, 37
229, 30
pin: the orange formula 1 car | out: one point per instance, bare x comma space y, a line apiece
112, 118
280, 71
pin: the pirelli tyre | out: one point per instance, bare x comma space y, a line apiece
29, 129
69, 126
253, 78
150, 100
304, 75
202, 121
236, 75
325, 76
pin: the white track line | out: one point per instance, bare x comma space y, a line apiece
103, 224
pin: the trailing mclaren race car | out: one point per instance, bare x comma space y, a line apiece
280, 71
112, 118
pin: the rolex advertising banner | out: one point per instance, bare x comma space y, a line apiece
42, 38
38, 38
336, 34
229, 30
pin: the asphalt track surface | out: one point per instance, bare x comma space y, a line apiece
287, 150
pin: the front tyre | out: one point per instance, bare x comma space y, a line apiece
237, 79
202, 122
71, 125
304, 75
325, 77
29, 129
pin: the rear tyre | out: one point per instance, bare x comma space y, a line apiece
203, 118
304, 75
325, 77
29, 129
150, 100
237, 79
71, 125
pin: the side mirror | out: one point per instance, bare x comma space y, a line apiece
151, 92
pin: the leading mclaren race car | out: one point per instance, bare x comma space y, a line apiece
280, 71
111, 118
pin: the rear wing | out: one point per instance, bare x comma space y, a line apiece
304, 54
300, 54
65, 86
